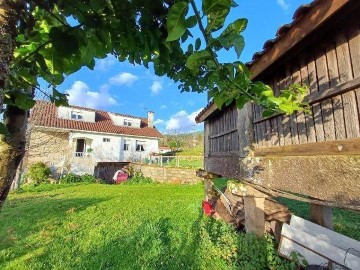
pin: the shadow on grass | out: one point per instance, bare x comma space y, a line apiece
34, 215
154, 244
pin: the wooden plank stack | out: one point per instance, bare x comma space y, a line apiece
237, 205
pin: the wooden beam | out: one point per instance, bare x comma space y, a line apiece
341, 147
224, 133
205, 114
299, 31
318, 96
321, 215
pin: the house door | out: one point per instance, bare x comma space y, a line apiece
80, 145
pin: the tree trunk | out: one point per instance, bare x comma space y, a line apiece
7, 43
12, 148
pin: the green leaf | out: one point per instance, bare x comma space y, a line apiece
64, 43
219, 100
241, 101
191, 21
196, 59
267, 113
3, 129
216, 11
233, 40
197, 44
236, 27
176, 23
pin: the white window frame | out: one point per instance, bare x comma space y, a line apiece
76, 116
140, 146
127, 122
127, 144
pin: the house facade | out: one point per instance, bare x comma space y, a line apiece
75, 139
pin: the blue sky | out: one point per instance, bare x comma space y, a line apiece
124, 88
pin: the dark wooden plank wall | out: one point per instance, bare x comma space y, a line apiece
223, 135
321, 67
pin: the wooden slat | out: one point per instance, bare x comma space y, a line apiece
293, 120
321, 247
221, 134
349, 100
316, 109
300, 116
341, 147
337, 103
309, 120
354, 46
326, 105
279, 119
308, 23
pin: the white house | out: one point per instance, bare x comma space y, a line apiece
76, 138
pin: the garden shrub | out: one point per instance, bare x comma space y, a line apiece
221, 247
88, 178
70, 178
73, 178
138, 178
38, 173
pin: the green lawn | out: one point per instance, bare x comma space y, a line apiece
95, 226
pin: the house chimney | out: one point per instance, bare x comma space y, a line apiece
151, 119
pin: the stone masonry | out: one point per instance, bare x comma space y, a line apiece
168, 174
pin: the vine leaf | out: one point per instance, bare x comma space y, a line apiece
176, 22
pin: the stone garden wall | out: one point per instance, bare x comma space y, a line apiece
168, 174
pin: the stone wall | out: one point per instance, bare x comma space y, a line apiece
168, 174
50, 147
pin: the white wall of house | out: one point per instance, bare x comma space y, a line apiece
111, 147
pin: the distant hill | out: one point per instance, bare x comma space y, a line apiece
189, 144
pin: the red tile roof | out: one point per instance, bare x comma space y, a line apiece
44, 114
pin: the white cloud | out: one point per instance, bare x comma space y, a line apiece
159, 122
183, 122
106, 63
283, 4
80, 94
163, 107
156, 87
123, 78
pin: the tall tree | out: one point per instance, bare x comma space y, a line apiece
55, 38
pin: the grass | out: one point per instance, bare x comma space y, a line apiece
149, 226
346, 222
194, 151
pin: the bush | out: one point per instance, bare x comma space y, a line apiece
38, 173
73, 178
138, 178
88, 178
221, 247
70, 178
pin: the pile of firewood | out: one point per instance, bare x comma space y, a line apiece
231, 208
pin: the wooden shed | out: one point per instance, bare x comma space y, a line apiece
314, 155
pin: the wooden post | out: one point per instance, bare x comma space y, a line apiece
322, 215
208, 189
254, 215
